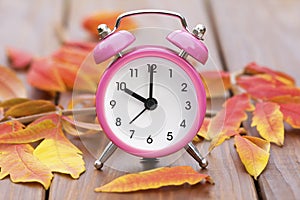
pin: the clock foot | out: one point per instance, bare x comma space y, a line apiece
193, 151
108, 151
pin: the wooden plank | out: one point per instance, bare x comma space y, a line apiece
29, 26
232, 182
265, 32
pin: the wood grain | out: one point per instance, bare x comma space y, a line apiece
232, 182
27, 25
265, 32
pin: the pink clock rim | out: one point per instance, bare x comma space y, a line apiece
161, 52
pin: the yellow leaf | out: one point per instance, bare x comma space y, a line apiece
269, 122
253, 152
30, 108
155, 178
57, 152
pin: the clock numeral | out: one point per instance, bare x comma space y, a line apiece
118, 121
149, 139
112, 103
170, 136
188, 105
171, 73
133, 72
184, 87
121, 85
182, 124
152, 67
132, 132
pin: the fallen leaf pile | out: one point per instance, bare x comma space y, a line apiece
270, 98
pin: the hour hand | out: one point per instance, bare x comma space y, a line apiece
135, 95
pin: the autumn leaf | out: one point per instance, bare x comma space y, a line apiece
203, 130
253, 68
253, 152
268, 92
57, 152
91, 22
1, 113
286, 99
12, 102
19, 59
30, 108
221, 137
247, 82
269, 122
156, 178
10, 85
291, 113
89, 46
44, 75
227, 122
19, 162
30, 134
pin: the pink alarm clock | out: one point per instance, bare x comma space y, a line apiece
150, 101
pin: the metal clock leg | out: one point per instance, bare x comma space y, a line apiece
108, 151
193, 151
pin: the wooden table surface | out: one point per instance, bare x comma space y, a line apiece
238, 32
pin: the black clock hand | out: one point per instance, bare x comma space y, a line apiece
138, 115
135, 95
151, 82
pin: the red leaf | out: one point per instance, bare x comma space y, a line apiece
44, 75
19, 59
253, 68
227, 122
71, 55
291, 114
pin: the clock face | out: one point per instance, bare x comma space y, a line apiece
150, 104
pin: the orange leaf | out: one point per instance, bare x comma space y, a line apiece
44, 75
91, 22
253, 68
221, 137
286, 99
269, 122
30, 134
30, 108
203, 130
155, 178
71, 55
18, 161
267, 92
248, 82
291, 114
19, 59
253, 152
10, 85
89, 46
230, 117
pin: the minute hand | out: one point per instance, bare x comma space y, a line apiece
135, 95
151, 83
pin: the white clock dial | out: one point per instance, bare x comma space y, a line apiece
174, 103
